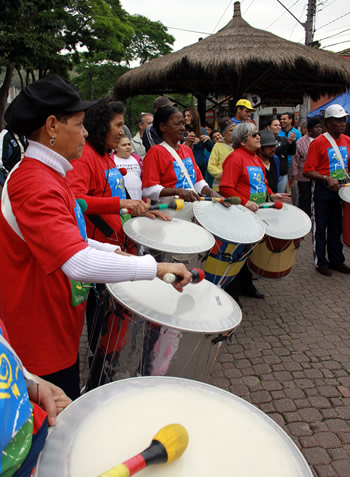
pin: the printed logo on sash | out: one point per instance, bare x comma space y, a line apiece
80, 220
258, 189
15, 408
335, 168
116, 183
79, 290
181, 181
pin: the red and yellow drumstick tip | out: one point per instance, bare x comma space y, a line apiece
168, 444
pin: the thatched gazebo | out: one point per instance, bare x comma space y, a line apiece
238, 60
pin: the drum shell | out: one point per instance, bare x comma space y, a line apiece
344, 193
180, 336
191, 260
236, 231
273, 259
225, 261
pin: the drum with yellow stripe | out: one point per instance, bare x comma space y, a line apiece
236, 230
274, 257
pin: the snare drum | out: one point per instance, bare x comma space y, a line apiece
155, 330
274, 257
236, 229
173, 241
344, 193
227, 435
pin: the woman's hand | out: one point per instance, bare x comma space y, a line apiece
281, 197
50, 397
187, 195
190, 139
253, 206
136, 207
204, 138
158, 213
178, 269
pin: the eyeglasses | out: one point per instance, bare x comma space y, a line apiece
254, 134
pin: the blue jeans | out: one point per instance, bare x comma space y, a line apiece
282, 183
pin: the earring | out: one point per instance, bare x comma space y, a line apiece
52, 141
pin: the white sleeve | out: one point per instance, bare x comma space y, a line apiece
152, 192
199, 185
95, 266
106, 247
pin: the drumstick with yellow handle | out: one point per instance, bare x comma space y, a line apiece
177, 204
167, 445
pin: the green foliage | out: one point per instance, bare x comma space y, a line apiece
149, 41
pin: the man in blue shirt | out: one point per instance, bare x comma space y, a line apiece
243, 110
287, 121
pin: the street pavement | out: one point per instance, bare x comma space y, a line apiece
291, 358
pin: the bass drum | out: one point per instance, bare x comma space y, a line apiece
227, 435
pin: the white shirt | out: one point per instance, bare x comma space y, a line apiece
132, 179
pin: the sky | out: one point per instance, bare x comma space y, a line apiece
205, 17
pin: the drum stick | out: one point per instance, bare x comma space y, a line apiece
197, 276
167, 445
173, 204
272, 205
345, 185
229, 200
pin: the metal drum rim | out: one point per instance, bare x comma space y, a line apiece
107, 392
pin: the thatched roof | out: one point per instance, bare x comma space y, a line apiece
240, 59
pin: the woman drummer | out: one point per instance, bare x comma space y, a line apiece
43, 244
170, 168
243, 176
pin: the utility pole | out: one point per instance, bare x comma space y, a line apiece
310, 22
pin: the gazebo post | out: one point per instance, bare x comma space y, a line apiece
201, 106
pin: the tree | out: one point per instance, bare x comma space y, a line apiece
33, 34
150, 40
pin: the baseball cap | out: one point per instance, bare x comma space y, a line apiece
37, 101
335, 111
245, 103
161, 101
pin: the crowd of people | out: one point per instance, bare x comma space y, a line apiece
59, 152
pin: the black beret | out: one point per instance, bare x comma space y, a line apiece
37, 101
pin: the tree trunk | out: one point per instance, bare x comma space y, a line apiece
4, 91
20, 76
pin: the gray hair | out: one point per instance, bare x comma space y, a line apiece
141, 117
241, 132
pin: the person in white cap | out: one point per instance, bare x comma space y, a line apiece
327, 166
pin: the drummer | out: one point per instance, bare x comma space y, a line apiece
44, 251
327, 166
170, 168
243, 176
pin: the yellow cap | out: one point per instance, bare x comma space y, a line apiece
245, 103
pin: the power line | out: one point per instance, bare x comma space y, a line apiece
281, 14
334, 44
342, 16
222, 16
248, 7
335, 34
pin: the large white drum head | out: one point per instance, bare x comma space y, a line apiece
235, 224
344, 194
227, 435
175, 236
202, 307
287, 223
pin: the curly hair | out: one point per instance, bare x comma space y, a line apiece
162, 117
96, 122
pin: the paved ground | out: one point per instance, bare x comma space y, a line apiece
291, 358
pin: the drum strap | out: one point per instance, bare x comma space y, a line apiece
6, 207
179, 162
336, 149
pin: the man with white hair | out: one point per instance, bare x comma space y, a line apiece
327, 166
144, 120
